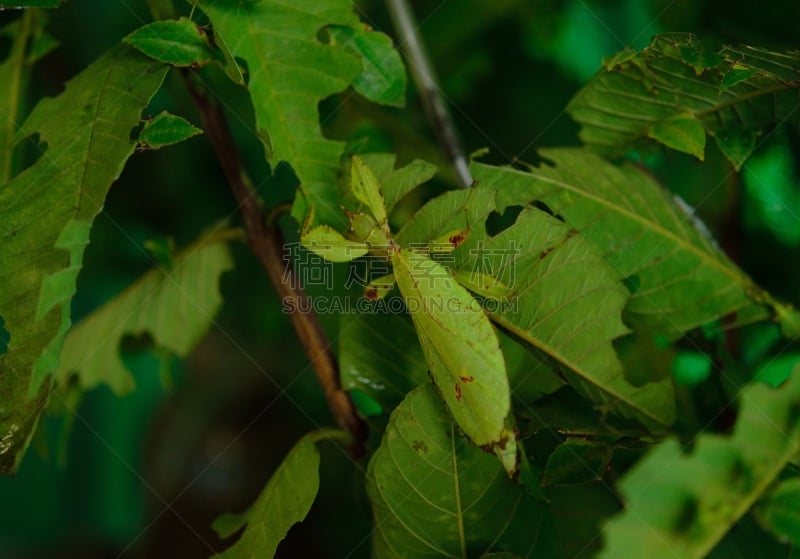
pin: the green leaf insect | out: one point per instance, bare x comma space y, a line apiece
459, 343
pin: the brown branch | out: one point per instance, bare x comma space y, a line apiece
266, 242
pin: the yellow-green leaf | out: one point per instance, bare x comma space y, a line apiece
332, 245
462, 350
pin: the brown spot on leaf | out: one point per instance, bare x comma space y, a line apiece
419, 446
467, 379
458, 392
456, 240
545, 252
572, 233
371, 293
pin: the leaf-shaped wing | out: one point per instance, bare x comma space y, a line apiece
175, 307
48, 211
285, 500
290, 72
435, 495
684, 280
462, 350
676, 91
681, 505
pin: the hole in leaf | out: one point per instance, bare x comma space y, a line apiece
323, 35
632, 283
496, 223
32, 151
5, 337
539, 205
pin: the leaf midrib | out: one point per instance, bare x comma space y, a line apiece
655, 227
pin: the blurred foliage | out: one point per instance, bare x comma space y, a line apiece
144, 476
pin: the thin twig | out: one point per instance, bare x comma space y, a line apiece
266, 242
427, 84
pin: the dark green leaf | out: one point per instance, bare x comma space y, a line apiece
180, 43
643, 93
682, 504
47, 213
175, 307
285, 501
380, 355
780, 511
165, 130
435, 495
383, 76
577, 461
14, 71
30, 4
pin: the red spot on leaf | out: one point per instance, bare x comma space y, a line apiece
458, 392
371, 293
456, 240
467, 379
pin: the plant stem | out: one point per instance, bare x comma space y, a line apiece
425, 78
266, 242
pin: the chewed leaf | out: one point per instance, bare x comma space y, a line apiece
462, 350
780, 511
682, 132
48, 210
285, 501
675, 90
435, 495
680, 504
367, 190
308, 71
383, 76
331, 245
180, 43
174, 307
166, 129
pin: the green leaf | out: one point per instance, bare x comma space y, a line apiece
48, 211
682, 132
396, 183
435, 495
166, 129
331, 245
577, 461
462, 351
366, 189
681, 504
564, 300
30, 4
14, 77
285, 501
684, 279
745, 88
780, 511
180, 43
380, 355
174, 307
290, 72
383, 75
